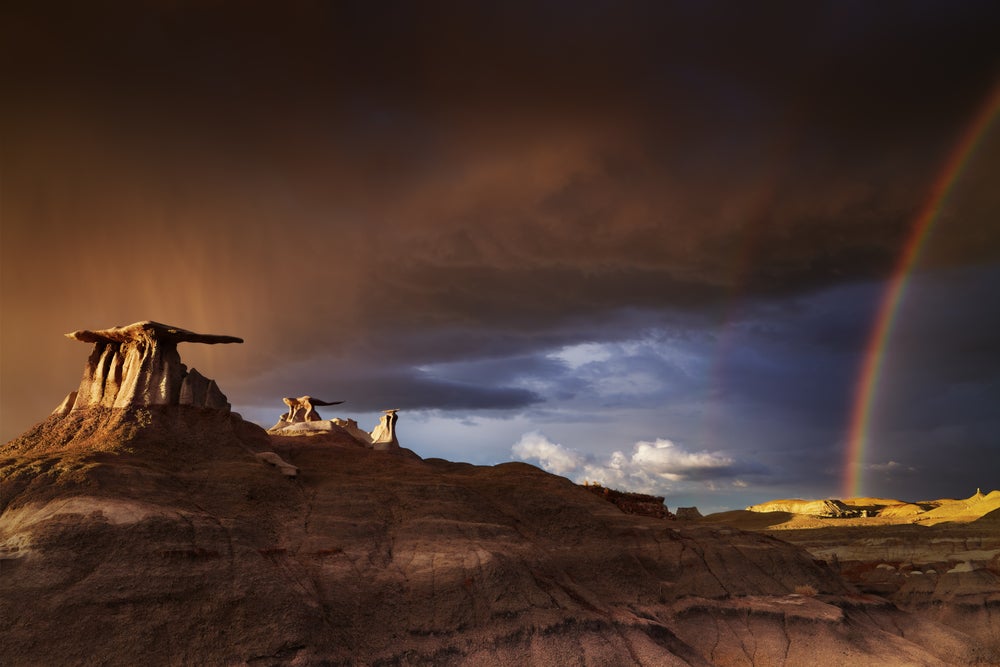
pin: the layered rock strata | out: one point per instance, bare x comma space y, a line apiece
139, 365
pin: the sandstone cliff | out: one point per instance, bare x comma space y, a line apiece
154, 535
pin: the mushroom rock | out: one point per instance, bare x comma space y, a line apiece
139, 365
384, 435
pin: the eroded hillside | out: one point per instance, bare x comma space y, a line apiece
157, 536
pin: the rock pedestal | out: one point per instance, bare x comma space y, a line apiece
384, 435
139, 365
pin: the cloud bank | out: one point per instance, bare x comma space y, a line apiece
659, 467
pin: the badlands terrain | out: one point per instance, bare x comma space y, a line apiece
939, 559
143, 523
158, 536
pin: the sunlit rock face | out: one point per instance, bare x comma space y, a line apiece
384, 434
820, 508
303, 409
139, 365
302, 417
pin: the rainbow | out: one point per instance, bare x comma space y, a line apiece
885, 319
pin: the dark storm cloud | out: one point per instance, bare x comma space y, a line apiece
423, 205
370, 386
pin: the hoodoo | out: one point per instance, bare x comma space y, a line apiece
139, 365
384, 435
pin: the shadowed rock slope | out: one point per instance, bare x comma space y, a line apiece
156, 536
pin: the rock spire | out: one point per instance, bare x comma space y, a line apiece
384, 435
139, 365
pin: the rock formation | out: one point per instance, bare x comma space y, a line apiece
303, 419
302, 409
384, 434
631, 502
351, 426
139, 365
688, 513
382, 437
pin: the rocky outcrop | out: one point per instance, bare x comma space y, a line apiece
382, 437
631, 502
688, 513
384, 434
302, 417
66, 405
352, 429
302, 409
138, 365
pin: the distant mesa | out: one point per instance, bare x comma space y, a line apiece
139, 365
820, 508
888, 510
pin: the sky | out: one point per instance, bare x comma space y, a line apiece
638, 243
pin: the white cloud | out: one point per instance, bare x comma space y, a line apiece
666, 459
575, 356
891, 466
653, 467
551, 456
